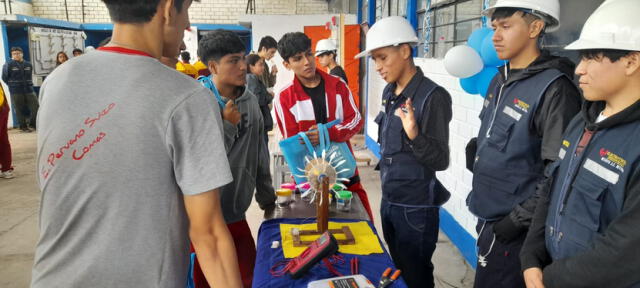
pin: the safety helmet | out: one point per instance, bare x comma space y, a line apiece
614, 25
389, 31
324, 46
548, 10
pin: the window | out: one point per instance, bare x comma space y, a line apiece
365, 11
450, 25
386, 8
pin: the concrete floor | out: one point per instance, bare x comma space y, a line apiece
19, 203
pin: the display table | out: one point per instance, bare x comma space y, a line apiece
301, 212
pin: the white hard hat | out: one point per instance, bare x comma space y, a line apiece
614, 25
389, 31
548, 10
324, 46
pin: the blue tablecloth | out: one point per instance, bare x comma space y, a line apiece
371, 266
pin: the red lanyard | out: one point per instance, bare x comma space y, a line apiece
122, 50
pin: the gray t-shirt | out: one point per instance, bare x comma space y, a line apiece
121, 139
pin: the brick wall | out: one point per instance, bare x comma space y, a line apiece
205, 11
17, 7
464, 125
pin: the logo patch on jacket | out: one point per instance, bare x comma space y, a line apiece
524, 107
601, 171
612, 159
488, 100
566, 143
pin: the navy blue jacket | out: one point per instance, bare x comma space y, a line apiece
18, 75
586, 226
407, 166
525, 115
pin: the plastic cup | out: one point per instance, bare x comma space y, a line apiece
343, 200
284, 197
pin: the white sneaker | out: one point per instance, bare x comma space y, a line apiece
7, 174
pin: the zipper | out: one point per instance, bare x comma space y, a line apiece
568, 180
387, 118
495, 112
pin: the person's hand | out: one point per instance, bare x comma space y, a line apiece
274, 70
533, 278
408, 119
313, 136
231, 113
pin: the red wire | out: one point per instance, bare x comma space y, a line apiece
281, 272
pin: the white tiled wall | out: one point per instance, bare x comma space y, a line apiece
464, 126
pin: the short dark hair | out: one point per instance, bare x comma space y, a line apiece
506, 12
332, 52
77, 50
218, 43
185, 55
15, 48
598, 54
251, 60
135, 11
293, 43
267, 42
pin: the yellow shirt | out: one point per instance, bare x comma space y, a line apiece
1, 96
200, 66
187, 68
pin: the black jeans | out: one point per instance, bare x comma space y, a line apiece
411, 234
502, 269
26, 107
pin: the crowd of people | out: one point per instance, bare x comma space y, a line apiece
141, 171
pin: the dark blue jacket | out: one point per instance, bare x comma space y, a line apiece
588, 224
508, 165
18, 75
408, 167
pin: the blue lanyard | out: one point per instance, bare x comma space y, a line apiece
208, 83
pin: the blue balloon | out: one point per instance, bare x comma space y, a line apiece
483, 79
469, 85
476, 38
488, 52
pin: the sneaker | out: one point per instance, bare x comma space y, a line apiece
7, 174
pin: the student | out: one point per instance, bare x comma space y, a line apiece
585, 229
528, 105
224, 53
126, 184
61, 57
6, 170
326, 53
413, 132
255, 67
319, 98
17, 74
266, 50
77, 52
185, 67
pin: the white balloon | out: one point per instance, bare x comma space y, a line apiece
463, 61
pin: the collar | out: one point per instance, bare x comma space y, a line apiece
122, 50
297, 85
412, 86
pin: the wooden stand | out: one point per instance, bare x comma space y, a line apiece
322, 206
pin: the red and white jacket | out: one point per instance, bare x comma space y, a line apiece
294, 110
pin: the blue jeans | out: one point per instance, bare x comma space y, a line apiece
411, 234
